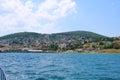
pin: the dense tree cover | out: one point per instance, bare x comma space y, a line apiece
116, 45
21, 35
73, 34
79, 34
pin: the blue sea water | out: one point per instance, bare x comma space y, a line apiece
51, 66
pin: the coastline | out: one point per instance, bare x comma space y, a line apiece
106, 51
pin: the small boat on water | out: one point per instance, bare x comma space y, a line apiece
2, 75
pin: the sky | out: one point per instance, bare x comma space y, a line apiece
54, 16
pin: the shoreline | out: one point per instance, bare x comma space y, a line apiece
106, 51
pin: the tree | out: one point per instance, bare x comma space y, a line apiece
116, 45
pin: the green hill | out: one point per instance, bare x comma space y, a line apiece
21, 34
56, 36
80, 34
28, 38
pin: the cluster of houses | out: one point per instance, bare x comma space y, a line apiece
80, 45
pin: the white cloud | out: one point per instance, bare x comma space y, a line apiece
16, 15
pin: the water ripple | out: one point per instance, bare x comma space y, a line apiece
60, 66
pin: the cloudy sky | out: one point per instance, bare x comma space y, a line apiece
52, 16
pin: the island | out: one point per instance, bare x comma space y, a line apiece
65, 42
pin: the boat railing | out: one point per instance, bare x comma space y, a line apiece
2, 75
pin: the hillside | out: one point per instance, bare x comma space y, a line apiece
21, 34
79, 34
53, 42
52, 37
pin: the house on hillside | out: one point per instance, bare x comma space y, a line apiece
116, 41
64, 45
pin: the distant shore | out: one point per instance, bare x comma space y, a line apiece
116, 51
70, 51
109, 51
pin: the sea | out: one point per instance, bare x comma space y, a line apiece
58, 66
